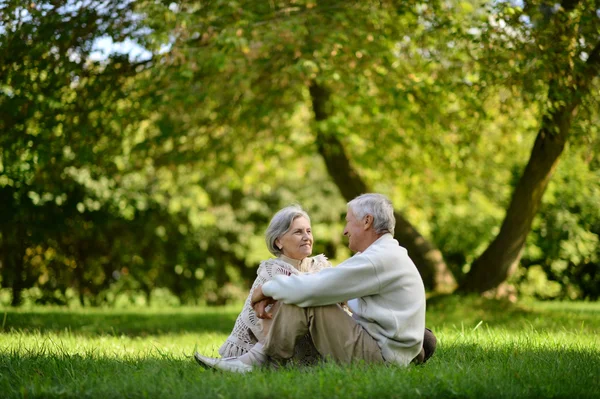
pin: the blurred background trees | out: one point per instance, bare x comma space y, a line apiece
132, 176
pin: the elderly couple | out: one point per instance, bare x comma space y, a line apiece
369, 308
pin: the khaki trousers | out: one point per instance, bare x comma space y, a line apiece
335, 334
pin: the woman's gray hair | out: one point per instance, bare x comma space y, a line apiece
378, 206
280, 224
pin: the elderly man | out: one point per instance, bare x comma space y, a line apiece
381, 285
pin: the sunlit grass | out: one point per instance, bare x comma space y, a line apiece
486, 349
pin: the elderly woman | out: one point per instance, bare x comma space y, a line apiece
289, 238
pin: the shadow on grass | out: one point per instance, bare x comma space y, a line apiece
448, 311
552, 317
129, 323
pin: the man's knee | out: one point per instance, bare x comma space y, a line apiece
289, 310
326, 308
291, 315
294, 309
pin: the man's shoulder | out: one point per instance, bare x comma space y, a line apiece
387, 244
387, 253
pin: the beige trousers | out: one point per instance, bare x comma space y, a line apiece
265, 324
335, 334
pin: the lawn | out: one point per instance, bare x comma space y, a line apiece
486, 349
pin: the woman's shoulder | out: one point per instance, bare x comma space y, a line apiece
317, 259
278, 266
271, 262
272, 266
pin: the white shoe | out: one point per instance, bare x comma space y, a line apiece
230, 364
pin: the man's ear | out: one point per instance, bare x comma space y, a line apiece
368, 222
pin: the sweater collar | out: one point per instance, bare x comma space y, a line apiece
385, 237
298, 264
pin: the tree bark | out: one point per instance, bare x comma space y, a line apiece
428, 259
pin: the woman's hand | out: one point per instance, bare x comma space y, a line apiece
260, 302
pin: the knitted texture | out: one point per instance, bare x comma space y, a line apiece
247, 330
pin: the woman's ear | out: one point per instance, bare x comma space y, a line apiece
278, 244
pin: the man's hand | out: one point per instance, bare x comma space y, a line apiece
260, 302
260, 308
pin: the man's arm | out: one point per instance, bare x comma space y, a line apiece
354, 278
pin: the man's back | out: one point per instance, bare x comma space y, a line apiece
394, 312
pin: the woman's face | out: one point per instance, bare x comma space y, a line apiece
297, 242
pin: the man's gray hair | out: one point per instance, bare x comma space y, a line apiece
378, 206
280, 224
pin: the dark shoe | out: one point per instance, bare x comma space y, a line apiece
420, 358
429, 344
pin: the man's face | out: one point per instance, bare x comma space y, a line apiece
354, 230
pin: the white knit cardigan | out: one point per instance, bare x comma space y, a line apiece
247, 330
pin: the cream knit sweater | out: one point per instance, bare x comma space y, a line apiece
384, 292
248, 328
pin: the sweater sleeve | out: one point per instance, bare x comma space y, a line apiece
354, 278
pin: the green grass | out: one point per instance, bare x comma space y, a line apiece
486, 349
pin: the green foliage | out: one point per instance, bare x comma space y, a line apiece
125, 176
88, 201
63, 116
565, 242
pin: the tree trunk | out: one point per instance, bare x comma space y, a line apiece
428, 259
502, 256
17, 291
16, 255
